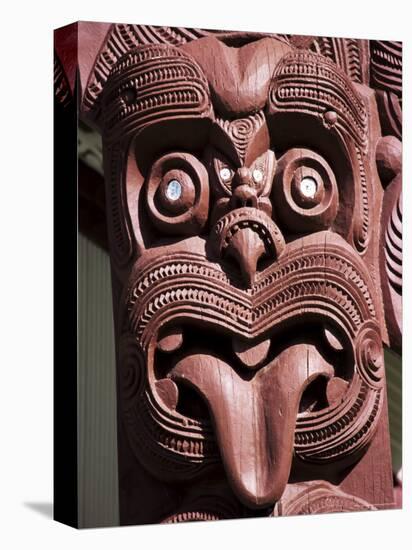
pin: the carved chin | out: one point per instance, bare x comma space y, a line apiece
251, 406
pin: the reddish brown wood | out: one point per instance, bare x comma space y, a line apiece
247, 177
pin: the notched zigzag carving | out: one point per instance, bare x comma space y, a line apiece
361, 218
325, 281
153, 83
123, 38
319, 498
341, 430
310, 83
386, 66
347, 53
393, 247
297, 279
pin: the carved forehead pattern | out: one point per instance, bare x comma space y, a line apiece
243, 133
310, 83
347, 54
123, 38
160, 82
153, 83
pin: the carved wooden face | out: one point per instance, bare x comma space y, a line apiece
242, 230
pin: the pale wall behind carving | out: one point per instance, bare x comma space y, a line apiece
97, 444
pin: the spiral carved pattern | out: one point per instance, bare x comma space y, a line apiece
188, 284
320, 498
131, 370
241, 131
188, 214
369, 355
317, 266
320, 211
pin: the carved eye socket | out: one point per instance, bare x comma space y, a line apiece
307, 188
224, 173
305, 191
177, 194
262, 170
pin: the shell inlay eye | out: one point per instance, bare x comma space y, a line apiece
174, 190
308, 187
257, 176
225, 174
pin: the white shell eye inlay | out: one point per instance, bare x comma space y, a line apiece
225, 174
173, 190
257, 176
308, 187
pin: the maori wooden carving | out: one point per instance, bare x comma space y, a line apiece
254, 214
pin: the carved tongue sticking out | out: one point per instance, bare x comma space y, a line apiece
254, 419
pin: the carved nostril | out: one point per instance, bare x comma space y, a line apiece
243, 177
244, 195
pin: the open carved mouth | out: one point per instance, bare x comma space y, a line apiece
317, 343
252, 392
296, 367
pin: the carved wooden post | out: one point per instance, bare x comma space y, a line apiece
253, 204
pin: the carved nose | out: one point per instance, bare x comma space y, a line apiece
246, 235
242, 177
244, 195
246, 248
246, 245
